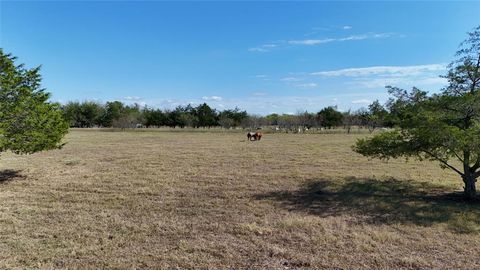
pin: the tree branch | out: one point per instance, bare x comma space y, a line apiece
455, 153
476, 165
475, 80
444, 162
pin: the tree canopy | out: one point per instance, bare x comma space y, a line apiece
28, 121
442, 127
329, 117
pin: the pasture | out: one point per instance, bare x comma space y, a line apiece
197, 200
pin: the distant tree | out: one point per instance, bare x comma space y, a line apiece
206, 116
113, 111
305, 119
329, 117
134, 112
287, 121
173, 118
130, 116
231, 118
441, 127
181, 117
237, 115
72, 113
28, 121
153, 117
91, 113
125, 121
225, 121
253, 122
86, 114
363, 116
351, 119
377, 116
272, 119
186, 119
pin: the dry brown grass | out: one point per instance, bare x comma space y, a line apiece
189, 200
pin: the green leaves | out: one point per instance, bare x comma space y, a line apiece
440, 127
28, 122
464, 73
329, 117
391, 144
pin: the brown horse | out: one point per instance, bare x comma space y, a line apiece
254, 136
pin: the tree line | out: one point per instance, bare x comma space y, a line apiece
119, 115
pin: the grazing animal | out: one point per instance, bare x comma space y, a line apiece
254, 136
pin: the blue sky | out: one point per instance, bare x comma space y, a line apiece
263, 57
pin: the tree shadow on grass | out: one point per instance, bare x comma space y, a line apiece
9, 175
383, 202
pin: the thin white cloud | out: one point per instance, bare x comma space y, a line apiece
417, 80
257, 49
290, 79
355, 37
259, 94
315, 30
314, 42
361, 101
263, 48
381, 76
134, 100
311, 42
129, 98
262, 77
398, 71
307, 85
212, 98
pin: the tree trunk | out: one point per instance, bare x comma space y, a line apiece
469, 190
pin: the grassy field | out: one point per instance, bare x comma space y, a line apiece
186, 200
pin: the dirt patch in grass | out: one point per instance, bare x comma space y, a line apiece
190, 200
